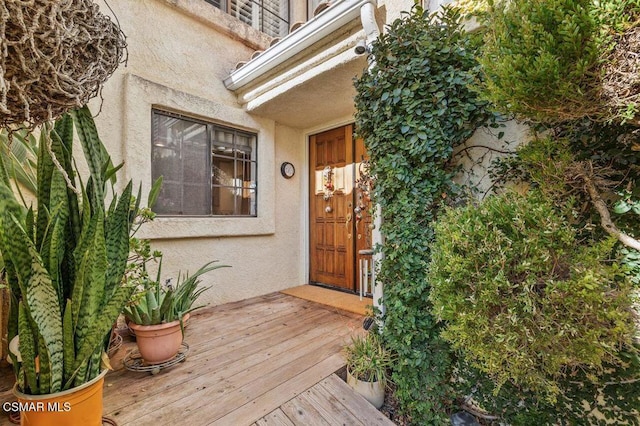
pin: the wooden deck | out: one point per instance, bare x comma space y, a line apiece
264, 361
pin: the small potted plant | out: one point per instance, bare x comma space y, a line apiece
367, 365
158, 311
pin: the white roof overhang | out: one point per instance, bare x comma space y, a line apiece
307, 77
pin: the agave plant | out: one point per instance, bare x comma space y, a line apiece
157, 303
65, 260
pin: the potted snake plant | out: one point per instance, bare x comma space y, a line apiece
64, 263
158, 312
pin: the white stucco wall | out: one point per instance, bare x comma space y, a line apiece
477, 154
179, 53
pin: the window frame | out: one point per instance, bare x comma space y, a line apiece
211, 127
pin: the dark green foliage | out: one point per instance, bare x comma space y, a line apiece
612, 152
617, 398
413, 107
548, 164
522, 300
542, 46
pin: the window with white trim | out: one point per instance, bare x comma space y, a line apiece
269, 16
207, 169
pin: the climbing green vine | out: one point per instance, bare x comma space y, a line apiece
413, 107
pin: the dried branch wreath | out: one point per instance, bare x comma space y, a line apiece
55, 55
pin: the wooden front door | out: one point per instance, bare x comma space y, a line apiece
337, 231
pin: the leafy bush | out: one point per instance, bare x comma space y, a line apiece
551, 164
551, 45
544, 59
615, 399
522, 300
413, 107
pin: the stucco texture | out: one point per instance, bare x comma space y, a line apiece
179, 53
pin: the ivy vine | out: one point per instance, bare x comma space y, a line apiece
413, 107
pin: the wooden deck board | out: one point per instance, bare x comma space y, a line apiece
284, 392
330, 407
302, 412
202, 362
265, 361
275, 418
356, 404
235, 382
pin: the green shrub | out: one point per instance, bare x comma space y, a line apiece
614, 400
413, 107
548, 47
546, 60
523, 301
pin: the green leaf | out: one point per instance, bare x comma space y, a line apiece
27, 349
93, 151
621, 207
68, 339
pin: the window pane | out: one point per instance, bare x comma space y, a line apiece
196, 200
195, 154
243, 10
248, 202
169, 199
269, 16
166, 163
245, 146
207, 169
180, 156
223, 200
222, 137
222, 171
217, 3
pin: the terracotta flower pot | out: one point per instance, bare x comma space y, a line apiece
158, 343
79, 406
371, 391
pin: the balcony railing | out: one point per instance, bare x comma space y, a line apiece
269, 16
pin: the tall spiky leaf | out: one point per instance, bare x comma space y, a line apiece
58, 213
43, 302
64, 131
94, 265
45, 170
19, 153
117, 243
154, 192
103, 323
92, 148
27, 347
56, 258
68, 335
4, 174
45, 367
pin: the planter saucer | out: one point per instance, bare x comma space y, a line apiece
133, 361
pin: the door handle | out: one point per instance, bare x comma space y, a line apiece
346, 223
